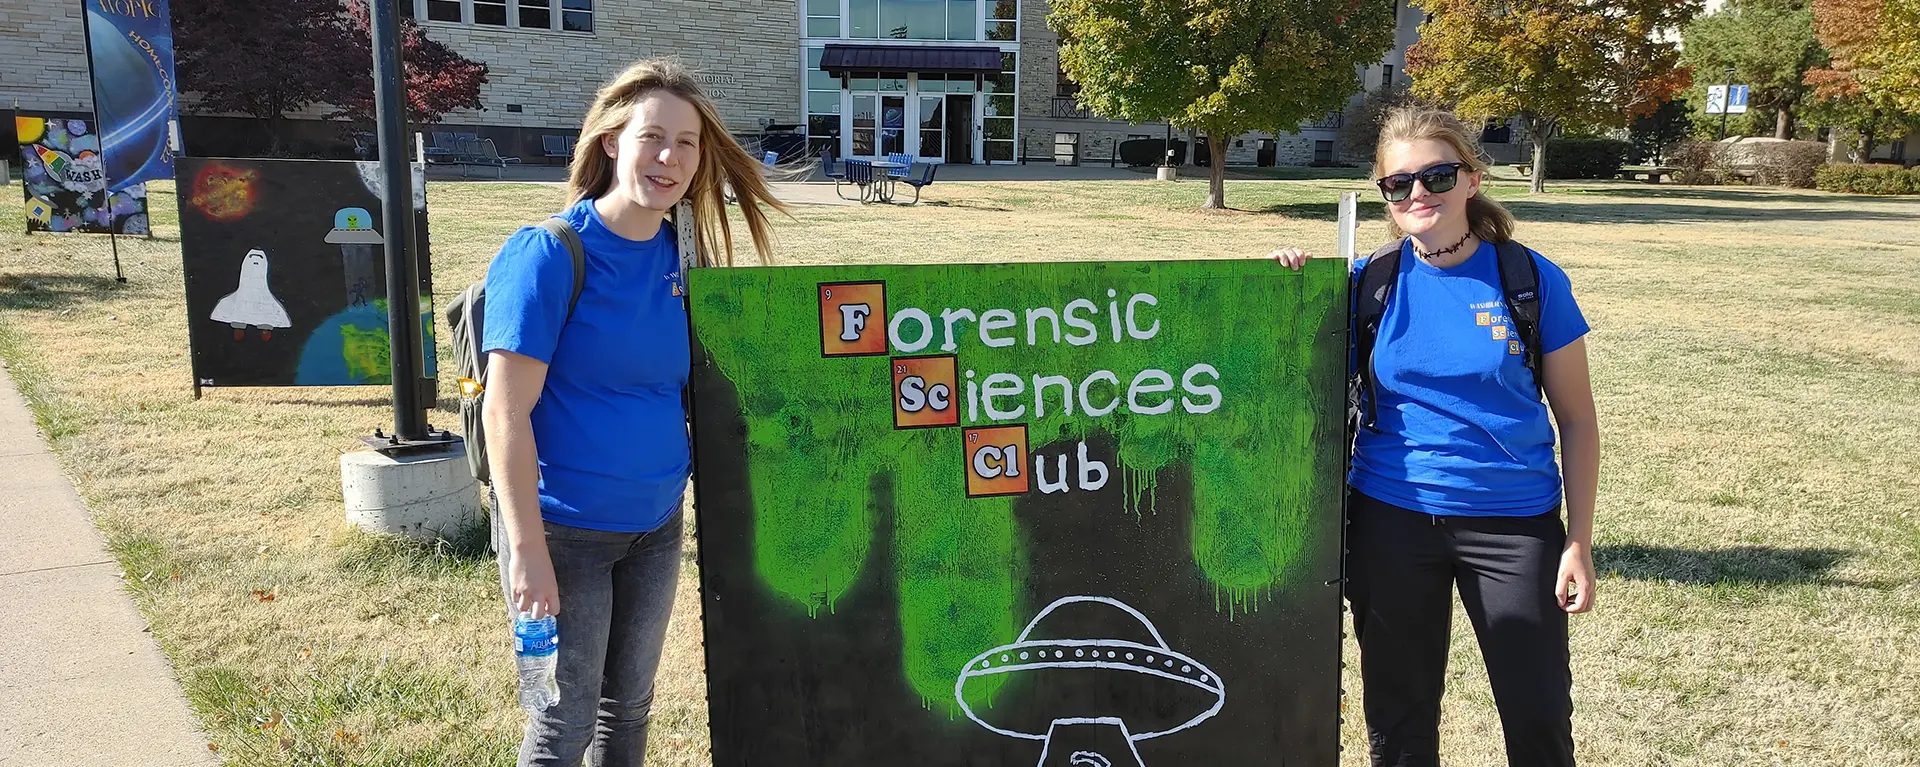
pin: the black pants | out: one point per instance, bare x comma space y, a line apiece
1401, 571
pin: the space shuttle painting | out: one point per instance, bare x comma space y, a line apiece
252, 304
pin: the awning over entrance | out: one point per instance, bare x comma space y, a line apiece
897, 58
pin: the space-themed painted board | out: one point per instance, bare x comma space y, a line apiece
1072, 514
63, 174
286, 279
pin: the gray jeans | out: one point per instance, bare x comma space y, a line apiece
616, 594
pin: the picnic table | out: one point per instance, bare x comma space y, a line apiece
883, 182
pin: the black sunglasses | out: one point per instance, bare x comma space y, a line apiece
1439, 180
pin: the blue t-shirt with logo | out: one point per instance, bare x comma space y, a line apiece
610, 428
1462, 430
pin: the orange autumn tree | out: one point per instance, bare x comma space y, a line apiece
1873, 83
1557, 64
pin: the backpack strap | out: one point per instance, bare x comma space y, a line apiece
1371, 294
1520, 282
559, 228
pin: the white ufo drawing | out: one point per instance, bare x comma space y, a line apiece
353, 226
1107, 662
252, 304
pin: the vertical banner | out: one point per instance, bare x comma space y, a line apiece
1064, 514
130, 49
64, 179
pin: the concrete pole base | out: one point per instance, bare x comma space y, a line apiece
1166, 173
424, 496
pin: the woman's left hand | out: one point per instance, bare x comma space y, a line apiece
1576, 568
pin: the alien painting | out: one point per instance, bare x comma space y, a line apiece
286, 281
65, 180
1036, 515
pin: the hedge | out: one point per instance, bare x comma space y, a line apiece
1586, 157
1877, 178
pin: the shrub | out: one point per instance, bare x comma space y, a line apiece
1867, 179
1698, 162
1586, 157
1788, 163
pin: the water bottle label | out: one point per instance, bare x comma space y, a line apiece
536, 638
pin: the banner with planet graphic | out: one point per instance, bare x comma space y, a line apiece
1073, 514
130, 52
285, 271
65, 181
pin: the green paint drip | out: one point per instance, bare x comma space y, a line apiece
819, 432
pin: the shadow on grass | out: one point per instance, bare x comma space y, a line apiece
1368, 210
1741, 565
40, 292
461, 554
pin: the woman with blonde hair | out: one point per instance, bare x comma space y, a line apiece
1454, 479
587, 437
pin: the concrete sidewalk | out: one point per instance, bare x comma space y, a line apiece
80, 684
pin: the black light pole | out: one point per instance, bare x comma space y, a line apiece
403, 274
1726, 103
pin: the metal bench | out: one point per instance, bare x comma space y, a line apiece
557, 146
479, 151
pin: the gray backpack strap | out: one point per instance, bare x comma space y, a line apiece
571, 239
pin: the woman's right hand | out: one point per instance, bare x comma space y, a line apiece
1291, 258
530, 574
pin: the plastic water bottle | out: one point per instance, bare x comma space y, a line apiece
536, 649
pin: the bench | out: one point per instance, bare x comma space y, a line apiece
1654, 174
470, 152
557, 146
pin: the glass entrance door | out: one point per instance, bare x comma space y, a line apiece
932, 119
893, 124
862, 132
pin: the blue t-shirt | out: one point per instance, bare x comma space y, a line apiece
610, 428
1462, 430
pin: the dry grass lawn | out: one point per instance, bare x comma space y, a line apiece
1757, 364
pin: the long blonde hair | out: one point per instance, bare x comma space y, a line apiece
724, 164
1487, 219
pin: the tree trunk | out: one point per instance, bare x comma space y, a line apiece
1216, 171
1866, 146
1783, 125
1541, 131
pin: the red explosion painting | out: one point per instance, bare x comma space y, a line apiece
223, 192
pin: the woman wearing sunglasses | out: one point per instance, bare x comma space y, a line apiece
1455, 482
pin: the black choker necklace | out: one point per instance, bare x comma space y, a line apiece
1443, 251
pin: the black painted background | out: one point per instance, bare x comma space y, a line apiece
786, 689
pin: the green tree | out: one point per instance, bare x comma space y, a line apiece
1652, 134
1556, 63
1222, 67
1770, 46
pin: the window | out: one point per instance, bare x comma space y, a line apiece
492, 13
823, 18
536, 14
1323, 153
443, 10
823, 106
908, 19
1003, 20
406, 9
1386, 76
1064, 86
576, 15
